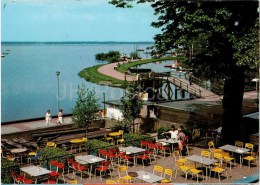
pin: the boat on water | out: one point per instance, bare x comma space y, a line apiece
2, 56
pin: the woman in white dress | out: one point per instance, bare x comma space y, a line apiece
60, 117
48, 117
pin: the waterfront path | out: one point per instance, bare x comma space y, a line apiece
34, 125
109, 70
30, 125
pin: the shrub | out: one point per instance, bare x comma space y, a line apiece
6, 167
162, 129
48, 154
94, 145
135, 139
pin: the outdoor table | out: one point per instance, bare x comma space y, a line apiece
115, 134
148, 177
19, 151
88, 159
75, 142
35, 171
203, 160
168, 141
235, 149
133, 150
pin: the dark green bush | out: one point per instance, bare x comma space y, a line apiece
163, 129
6, 167
48, 154
92, 146
135, 139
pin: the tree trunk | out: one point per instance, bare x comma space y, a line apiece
232, 106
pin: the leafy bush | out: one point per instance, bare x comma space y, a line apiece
121, 125
48, 154
111, 56
94, 145
163, 129
134, 55
6, 167
135, 139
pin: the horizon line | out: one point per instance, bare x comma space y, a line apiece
77, 41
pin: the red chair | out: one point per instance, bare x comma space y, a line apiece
102, 153
61, 169
70, 162
79, 168
125, 158
17, 178
144, 157
102, 169
163, 149
144, 144
28, 181
53, 163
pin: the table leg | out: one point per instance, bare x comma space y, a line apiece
90, 171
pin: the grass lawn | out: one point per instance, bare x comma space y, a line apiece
91, 74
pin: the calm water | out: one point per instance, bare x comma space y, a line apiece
29, 81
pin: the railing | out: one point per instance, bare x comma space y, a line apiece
185, 86
204, 84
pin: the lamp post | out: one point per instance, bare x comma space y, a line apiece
58, 90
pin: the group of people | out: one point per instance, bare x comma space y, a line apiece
177, 134
48, 117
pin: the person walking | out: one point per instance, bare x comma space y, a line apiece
48, 117
60, 117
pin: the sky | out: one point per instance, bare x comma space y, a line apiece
75, 20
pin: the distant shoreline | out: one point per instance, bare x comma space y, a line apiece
80, 42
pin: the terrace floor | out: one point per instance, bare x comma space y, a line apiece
236, 173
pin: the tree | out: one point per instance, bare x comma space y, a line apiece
131, 105
86, 107
225, 38
134, 55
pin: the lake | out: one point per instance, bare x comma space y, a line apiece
29, 81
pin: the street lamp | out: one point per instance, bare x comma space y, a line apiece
58, 90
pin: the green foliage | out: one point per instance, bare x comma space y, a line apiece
163, 129
86, 107
6, 167
49, 153
111, 56
94, 145
134, 55
121, 125
101, 56
135, 139
131, 105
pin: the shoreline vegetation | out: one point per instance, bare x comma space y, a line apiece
91, 74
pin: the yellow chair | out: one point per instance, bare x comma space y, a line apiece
111, 182
205, 153
51, 144
218, 170
182, 168
213, 149
250, 147
121, 181
75, 181
181, 161
158, 169
122, 137
125, 176
194, 171
167, 175
108, 139
227, 158
176, 154
219, 158
239, 144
